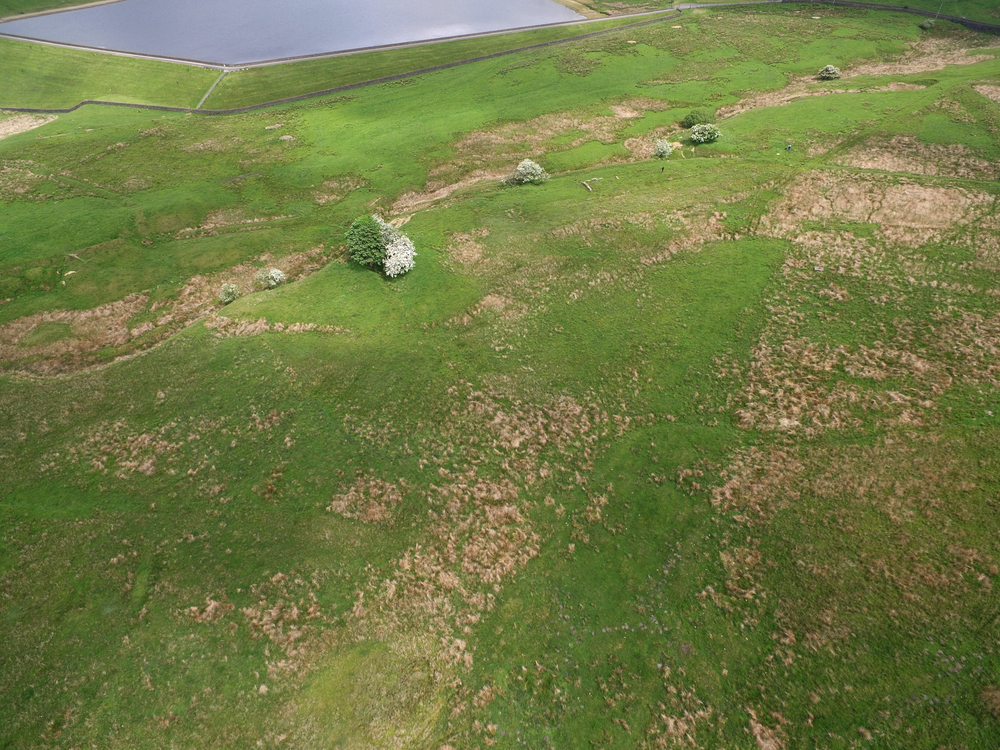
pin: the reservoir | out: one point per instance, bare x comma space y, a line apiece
236, 32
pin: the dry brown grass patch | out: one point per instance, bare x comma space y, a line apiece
908, 213
766, 738
642, 147
497, 304
625, 112
989, 90
100, 327
505, 145
214, 145
369, 500
16, 180
213, 611
466, 248
912, 559
906, 154
337, 188
991, 697
681, 720
112, 324
802, 88
288, 614
22, 123
412, 201
224, 218
930, 53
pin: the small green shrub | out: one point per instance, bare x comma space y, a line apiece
228, 293
698, 117
364, 240
663, 149
706, 133
928, 24
829, 73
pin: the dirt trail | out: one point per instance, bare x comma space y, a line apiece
413, 201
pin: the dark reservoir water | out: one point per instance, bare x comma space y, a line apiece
234, 32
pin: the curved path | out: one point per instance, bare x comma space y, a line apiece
979, 26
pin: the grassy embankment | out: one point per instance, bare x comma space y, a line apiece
35, 75
50, 77
705, 452
13, 8
980, 10
245, 87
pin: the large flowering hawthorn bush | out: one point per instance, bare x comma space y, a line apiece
373, 242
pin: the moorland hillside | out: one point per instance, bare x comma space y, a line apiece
695, 451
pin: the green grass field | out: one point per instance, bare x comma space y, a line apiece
703, 455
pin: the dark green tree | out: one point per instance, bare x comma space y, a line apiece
364, 240
698, 117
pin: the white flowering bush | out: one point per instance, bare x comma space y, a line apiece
706, 133
376, 243
528, 171
228, 293
388, 232
399, 257
829, 73
269, 278
663, 149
